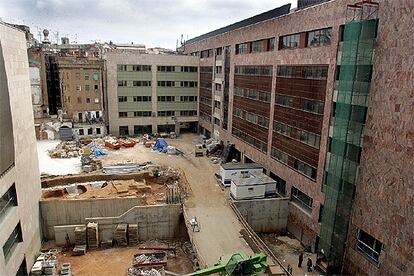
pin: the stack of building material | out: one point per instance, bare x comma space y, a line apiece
121, 234
133, 234
93, 240
80, 235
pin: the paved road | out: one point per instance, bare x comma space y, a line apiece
219, 234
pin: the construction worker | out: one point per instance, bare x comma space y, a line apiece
300, 259
309, 264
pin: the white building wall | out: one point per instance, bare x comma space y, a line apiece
25, 173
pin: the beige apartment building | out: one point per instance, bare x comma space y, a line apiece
19, 173
151, 93
82, 93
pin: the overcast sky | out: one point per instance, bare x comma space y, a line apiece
149, 22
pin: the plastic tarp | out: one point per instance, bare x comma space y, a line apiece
98, 152
160, 145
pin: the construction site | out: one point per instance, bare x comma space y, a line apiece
154, 207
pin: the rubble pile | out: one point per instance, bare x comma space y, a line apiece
149, 259
134, 271
66, 149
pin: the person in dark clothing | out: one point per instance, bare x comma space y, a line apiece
309, 265
289, 269
300, 259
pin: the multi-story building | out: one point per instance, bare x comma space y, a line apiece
82, 93
322, 98
150, 93
19, 173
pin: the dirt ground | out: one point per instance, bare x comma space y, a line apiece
116, 261
287, 249
219, 235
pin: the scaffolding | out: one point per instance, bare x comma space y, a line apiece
350, 108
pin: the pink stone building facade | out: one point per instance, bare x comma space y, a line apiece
380, 236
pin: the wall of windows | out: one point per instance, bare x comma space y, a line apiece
188, 113
8, 200
11, 243
141, 83
166, 68
166, 83
141, 98
303, 71
142, 113
188, 84
188, 98
166, 98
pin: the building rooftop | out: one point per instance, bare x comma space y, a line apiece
253, 179
239, 166
282, 10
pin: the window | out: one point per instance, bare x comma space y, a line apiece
122, 83
251, 117
141, 68
78, 87
305, 169
87, 87
284, 100
319, 37
96, 100
79, 100
8, 200
122, 68
123, 130
311, 106
271, 44
77, 76
81, 132
301, 199
188, 84
219, 70
166, 98
217, 104
216, 121
98, 130
310, 138
166, 68
257, 46
282, 128
253, 70
141, 98
123, 114
90, 131
218, 86
289, 41
279, 155
369, 246
188, 113
189, 69
280, 184
122, 99
95, 76
142, 113
238, 112
166, 113
88, 100
219, 51
141, 83
14, 238
96, 87
242, 48
86, 76
166, 83
188, 98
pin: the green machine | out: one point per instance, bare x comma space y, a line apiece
239, 264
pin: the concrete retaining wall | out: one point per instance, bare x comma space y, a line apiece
154, 222
265, 215
71, 212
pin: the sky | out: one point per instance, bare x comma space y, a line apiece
155, 23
